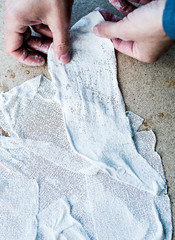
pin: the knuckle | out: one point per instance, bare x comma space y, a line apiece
62, 46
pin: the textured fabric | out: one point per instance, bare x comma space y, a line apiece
51, 171
18, 202
47, 190
94, 111
169, 18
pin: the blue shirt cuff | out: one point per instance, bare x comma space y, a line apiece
169, 19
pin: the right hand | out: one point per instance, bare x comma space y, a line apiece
140, 34
48, 17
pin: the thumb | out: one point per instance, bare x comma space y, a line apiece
121, 29
61, 44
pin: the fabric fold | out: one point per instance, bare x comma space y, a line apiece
94, 112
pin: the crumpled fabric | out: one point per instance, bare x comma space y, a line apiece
94, 111
49, 189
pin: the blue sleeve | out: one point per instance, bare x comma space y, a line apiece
169, 18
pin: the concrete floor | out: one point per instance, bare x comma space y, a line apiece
148, 89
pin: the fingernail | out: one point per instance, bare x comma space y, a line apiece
95, 30
65, 58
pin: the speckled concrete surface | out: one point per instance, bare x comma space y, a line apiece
148, 89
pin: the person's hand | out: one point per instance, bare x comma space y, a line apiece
47, 17
140, 34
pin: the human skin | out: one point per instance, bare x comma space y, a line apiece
140, 33
48, 17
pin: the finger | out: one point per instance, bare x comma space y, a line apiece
27, 34
14, 37
39, 44
60, 32
21, 53
123, 6
30, 58
15, 48
121, 29
61, 45
135, 50
125, 47
43, 29
107, 15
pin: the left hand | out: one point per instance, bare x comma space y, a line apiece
51, 18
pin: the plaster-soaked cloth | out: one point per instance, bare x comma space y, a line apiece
38, 149
102, 205
94, 111
18, 203
33, 196
47, 162
56, 222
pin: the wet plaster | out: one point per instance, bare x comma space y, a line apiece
148, 90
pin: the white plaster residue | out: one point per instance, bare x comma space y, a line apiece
94, 111
18, 205
56, 222
112, 218
11, 116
